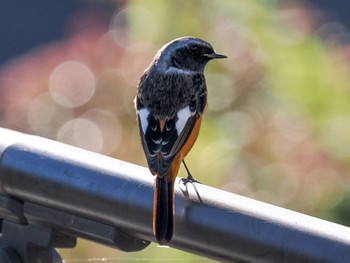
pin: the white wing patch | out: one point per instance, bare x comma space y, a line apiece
183, 115
143, 113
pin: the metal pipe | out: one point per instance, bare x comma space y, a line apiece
208, 221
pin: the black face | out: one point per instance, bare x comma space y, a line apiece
193, 56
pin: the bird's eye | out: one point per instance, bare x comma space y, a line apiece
193, 48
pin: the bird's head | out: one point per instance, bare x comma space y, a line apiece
186, 53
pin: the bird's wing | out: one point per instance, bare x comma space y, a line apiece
163, 139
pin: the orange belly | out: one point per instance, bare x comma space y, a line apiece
185, 149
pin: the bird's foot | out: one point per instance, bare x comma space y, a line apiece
189, 178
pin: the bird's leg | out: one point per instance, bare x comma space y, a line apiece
189, 178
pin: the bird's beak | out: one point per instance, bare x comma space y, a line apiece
214, 55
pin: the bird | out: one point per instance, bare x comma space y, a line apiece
170, 102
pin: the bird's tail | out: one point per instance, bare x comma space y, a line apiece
163, 209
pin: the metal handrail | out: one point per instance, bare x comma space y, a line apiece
79, 193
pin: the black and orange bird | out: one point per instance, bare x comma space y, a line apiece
170, 102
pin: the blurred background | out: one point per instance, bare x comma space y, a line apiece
278, 124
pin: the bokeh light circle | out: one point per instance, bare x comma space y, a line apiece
82, 133
136, 32
72, 84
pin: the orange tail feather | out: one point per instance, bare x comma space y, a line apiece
163, 209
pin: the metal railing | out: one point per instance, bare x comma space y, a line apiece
52, 193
